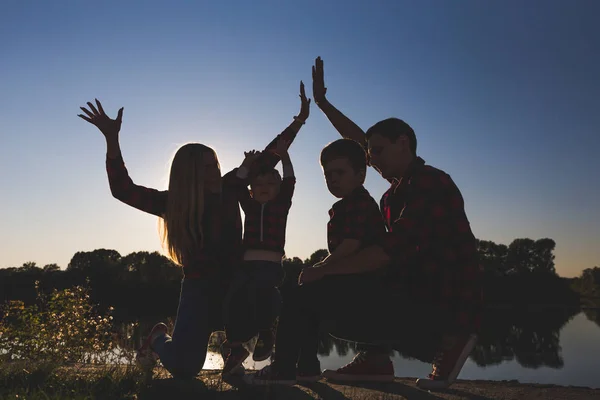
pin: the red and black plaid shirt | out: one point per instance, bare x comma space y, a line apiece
265, 224
356, 216
224, 248
430, 241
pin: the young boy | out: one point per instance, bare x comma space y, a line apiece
355, 222
254, 301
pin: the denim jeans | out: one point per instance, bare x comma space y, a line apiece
198, 316
357, 308
253, 301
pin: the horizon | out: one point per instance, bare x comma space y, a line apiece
504, 97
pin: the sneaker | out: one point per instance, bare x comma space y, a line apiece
448, 363
363, 368
145, 356
236, 357
270, 375
264, 346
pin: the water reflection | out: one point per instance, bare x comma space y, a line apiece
593, 314
532, 338
512, 345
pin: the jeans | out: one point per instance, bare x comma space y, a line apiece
253, 302
198, 316
358, 308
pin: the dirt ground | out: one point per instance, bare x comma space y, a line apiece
210, 385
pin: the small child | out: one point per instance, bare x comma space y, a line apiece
355, 223
253, 302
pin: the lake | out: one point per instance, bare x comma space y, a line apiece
552, 347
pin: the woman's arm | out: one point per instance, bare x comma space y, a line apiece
121, 186
238, 181
124, 189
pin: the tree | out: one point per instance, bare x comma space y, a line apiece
543, 256
30, 267
492, 256
526, 255
293, 262
316, 257
588, 283
49, 268
93, 262
591, 275
99, 269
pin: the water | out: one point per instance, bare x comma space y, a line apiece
555, 347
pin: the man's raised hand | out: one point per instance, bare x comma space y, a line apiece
319, 89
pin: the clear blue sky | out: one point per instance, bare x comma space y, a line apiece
503, 95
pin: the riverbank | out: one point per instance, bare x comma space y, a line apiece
405, 388
89, 382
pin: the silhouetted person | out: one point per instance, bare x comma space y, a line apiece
425, 301
202, 232
355, 223
253, 303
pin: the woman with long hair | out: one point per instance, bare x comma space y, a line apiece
201, 230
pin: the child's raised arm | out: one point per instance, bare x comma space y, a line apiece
268, 157
281, 150
289, 180
241, 187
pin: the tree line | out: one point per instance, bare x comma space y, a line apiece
515, 275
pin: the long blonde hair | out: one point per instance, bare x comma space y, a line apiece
182, 232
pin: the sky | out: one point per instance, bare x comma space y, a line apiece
504, 96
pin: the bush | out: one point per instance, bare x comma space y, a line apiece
60, 328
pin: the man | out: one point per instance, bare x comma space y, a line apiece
419, 287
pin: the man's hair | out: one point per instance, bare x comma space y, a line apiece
392, 129
348, 149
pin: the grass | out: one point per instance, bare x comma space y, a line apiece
30, 380
42, 381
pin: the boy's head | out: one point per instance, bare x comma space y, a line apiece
344, 164
265, 185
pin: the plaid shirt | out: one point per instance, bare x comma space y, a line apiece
356, 216
264, 224
429, 239
223, 247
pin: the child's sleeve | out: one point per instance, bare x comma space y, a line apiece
288, 185
268, 159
